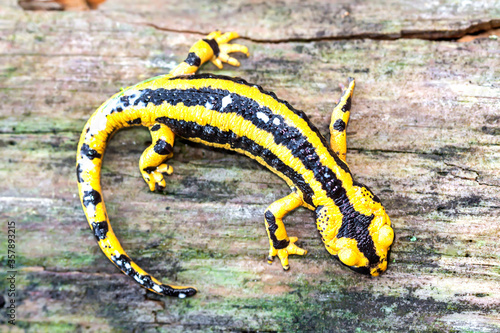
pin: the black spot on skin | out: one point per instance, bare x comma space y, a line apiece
85, 150
162, 147
147, 281
79, 173
136, 121
347, 106
149, 169
91, 197
193, 60
155, 127
213, 45
123, 103
271, 221
339, 125
121, 261
318, 211
100, 229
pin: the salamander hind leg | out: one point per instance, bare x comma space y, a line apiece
280, 244
339, 120
151, 163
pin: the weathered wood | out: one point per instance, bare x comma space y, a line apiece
314, 20
424, 135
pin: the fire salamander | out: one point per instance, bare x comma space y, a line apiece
230, 113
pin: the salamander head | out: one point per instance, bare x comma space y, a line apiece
357, 231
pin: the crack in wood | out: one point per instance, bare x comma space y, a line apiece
431, 35
475, 179
395, 151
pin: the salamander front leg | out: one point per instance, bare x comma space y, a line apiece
151, 162
340, 117
281, 244
215, 48
222, 55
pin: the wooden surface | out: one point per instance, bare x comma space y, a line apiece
424, 135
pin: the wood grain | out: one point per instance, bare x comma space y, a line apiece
424, 135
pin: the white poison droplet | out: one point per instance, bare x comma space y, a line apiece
263, 117
226, 101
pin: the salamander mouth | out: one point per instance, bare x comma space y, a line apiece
360, 270
366, 270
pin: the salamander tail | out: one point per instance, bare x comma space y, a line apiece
88, 168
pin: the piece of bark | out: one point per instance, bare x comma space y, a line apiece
75, 5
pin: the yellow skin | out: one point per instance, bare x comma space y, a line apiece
351, 220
